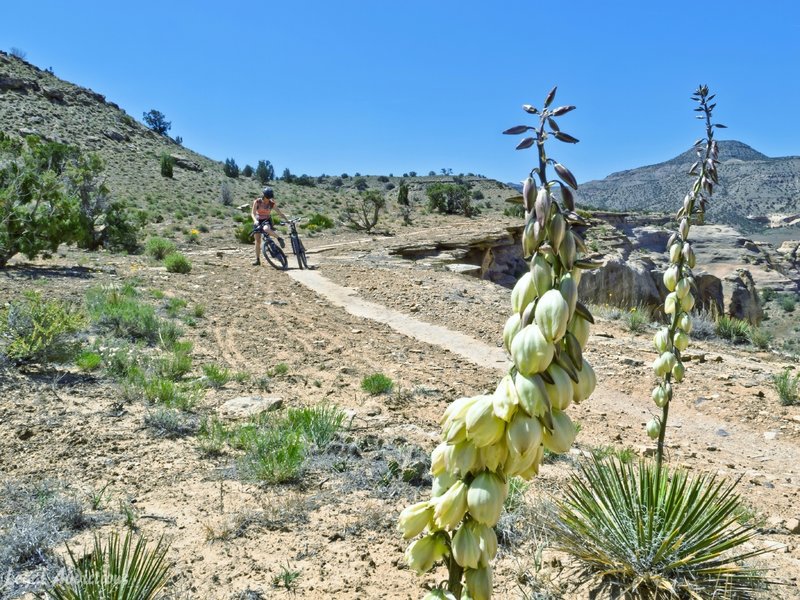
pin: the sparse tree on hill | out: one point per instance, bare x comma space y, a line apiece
247, 171
226, 196
404, 203
360, 183
231, 169
364, 212
287, 175
265, 172
156, 121
167, 162
451, 199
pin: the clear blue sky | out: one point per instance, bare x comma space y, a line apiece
384, 87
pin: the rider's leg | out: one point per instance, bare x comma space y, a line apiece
274, 234
258, 249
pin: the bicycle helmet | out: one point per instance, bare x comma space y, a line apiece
268, 193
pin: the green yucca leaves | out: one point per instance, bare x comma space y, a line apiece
648, 536
119, 570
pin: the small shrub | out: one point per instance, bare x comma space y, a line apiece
759, 338
732, 329
174, 306
278, 370
215, 376
275, 454
318, 424
158, 247
169, 423
243, 232
88, 360
638, 318
117, 569
788, 387
786, 302
33, 329
704, 326
174, 366
199, 311
177, 263
119, 311
377, 383
167, 164
318, 221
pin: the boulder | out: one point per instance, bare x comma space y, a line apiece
17, 84
621, 283
185, 163
740, 297
115, 135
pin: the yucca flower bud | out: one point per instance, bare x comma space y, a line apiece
660, 396
669, 360
671, 277
675, 252
528, 190
681, 340
688, 255
569, 291
450, 507
492, 457
661, 340
453, 425
653, 428
487, 540
523, 293
687, 303
524, 433
460, 458
560, 439
516, 463
678, 371
438, 465
671, 303
542, 205
558, 229
542, 274
442, 483
505, 399
532, 394
587, 381
483, 427
683, 287
685, 323
423, 553
660, 366
466, 547
485, 498
567, 252
560, 391
580, 329
552, 315
479, 583
533, 470
414, 519
531, 351
683, 228
529, 238
511, 329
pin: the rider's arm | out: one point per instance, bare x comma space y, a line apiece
280, 212
253, 212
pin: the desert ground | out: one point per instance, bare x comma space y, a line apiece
332, 534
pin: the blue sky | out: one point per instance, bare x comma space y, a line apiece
389, 87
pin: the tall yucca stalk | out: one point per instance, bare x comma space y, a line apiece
673, 339
488, 439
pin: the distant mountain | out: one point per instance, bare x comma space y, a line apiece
751, 186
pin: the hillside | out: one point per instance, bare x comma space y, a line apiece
34, 101
752, 185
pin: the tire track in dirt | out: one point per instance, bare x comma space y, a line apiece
224, 338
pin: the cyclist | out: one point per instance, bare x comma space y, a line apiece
262, 215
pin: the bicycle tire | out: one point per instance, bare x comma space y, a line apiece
296, 250
301, 255
274, 255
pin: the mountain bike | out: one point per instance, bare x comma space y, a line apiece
297, 246
271, 251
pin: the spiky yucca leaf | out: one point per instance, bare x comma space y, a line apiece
673, 536
118, 571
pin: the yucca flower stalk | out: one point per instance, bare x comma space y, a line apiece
488, 439
673, 339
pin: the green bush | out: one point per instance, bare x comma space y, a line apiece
158, 247
88, 360
177, 263
33, 329
638, 318
216, 376
318, 221
118, 569
788, 387
318, 424
244, 231
377, 383
732, 329
118, 310
787, 302
167, 164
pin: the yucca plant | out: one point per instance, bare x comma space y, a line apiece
647, 535
644, 531
118, 570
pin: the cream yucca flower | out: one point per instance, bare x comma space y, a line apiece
483, 427
466, 547
479, 583
560, 439
523, 293
423, 553
560, 391
511, 329
552, 315
531, 351
415, 518
485, 497
532, 394
449, 508
505, 399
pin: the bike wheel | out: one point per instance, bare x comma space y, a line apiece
301, 255
274, 255
297, 248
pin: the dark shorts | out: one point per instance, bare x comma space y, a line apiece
267, 221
